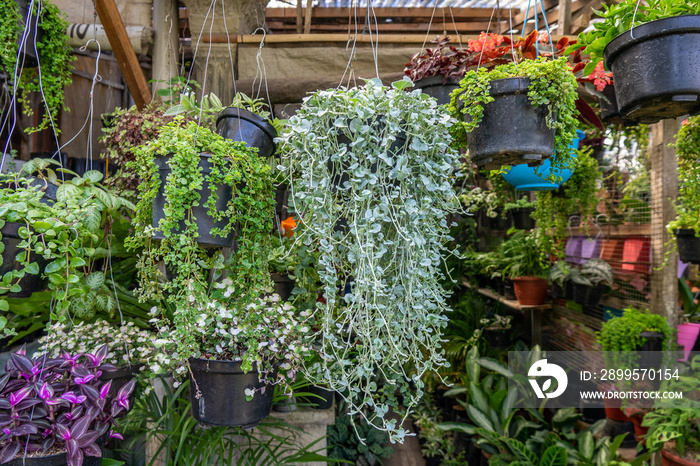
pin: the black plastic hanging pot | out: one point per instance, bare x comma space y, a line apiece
497, 338
32, 34
522, 218
589, 295
688, 245
511, 131
205, 223
222, 385
58, 459
437, 87
29, 283
322, 400
558, 292
241, 125
656, 69
501, 222
609, 112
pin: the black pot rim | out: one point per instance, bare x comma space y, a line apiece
651, 30
257, 120
435, 81
506, 86
685, 232
219, 366
122, 371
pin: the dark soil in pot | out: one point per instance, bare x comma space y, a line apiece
437, 87
205, 223
223, 401
656, 69
522, 218
283, 285
512, 131
29, 283
688, 245
238, 124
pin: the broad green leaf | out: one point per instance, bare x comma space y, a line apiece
554, 456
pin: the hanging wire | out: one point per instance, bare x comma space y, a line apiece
633, 18
349, 69
454, 23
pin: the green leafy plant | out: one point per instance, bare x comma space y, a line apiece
55, 57
70, 234
522, 203
552, 85
344, 439
380, 233
597, 272
691, 309
524, 255
688, 150
622, 16
623, 333
552, 211
559, 273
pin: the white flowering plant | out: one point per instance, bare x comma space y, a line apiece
266, 334
128, 344
497, 322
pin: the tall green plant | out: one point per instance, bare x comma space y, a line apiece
380, 231
688, 152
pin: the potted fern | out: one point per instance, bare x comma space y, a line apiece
526, 267
379, 159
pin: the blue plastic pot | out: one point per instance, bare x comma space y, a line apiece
524, 178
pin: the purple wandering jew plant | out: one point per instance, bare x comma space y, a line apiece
55, 405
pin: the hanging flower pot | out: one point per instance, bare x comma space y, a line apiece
687, 336
654, 67
512, 131
688, 245
589, 295
590, 248
205, 223
238, 124
222, 387
322, 399
530, 291
501, 222
29, 283
572, 250
526, 178
29, 35
437, 87
282, 285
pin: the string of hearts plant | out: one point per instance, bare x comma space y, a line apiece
370, 174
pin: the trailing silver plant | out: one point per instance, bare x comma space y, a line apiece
370, 175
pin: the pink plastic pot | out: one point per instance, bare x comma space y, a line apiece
687, 335
636, 255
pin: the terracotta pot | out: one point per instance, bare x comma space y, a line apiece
639, 430
530, 291
669, 459
611, 252
612, 406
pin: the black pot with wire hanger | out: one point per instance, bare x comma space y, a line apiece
30, 30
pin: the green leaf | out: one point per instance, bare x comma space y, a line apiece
53, 267
93, 175
586, 446
554, 456
496, 366
521, 451
77, 262
4, 305
95, 280
479, 418
32, 269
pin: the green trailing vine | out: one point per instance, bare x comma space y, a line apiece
374, 205
55, 56
623, 333
552, 84
688, 152
192, 268
552, 210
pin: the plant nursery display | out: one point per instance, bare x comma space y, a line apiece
214, 189
58, 408
686, 225
652, 51
370, 170
52, 53
530, 105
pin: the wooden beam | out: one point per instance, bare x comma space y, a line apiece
282, 39
123, 52
475, 28
299, 16
564, 22
460, 14
307, 16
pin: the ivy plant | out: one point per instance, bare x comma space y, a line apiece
622, 16
688, 152
55, 56
552, 84
370, 174
623, 333
193, 270
69, 233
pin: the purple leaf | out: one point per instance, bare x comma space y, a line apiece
74, 454
90, 391
108, 367
99, 355
116, 435
5, 419
22, 363
46, 392
88, 438
20, 395
28, 403
80, 427
104, 391
92, 449
23, 350
8, 452
4, 403
62, 431
24, 429
48, 443
83, 380
3, 381
73, 398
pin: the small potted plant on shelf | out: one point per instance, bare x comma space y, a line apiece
47, 36
559, 277
538, 94
370, 169
640, 44
594, 279
496, 330
521, 210
686, 226
526, 267
58, 411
